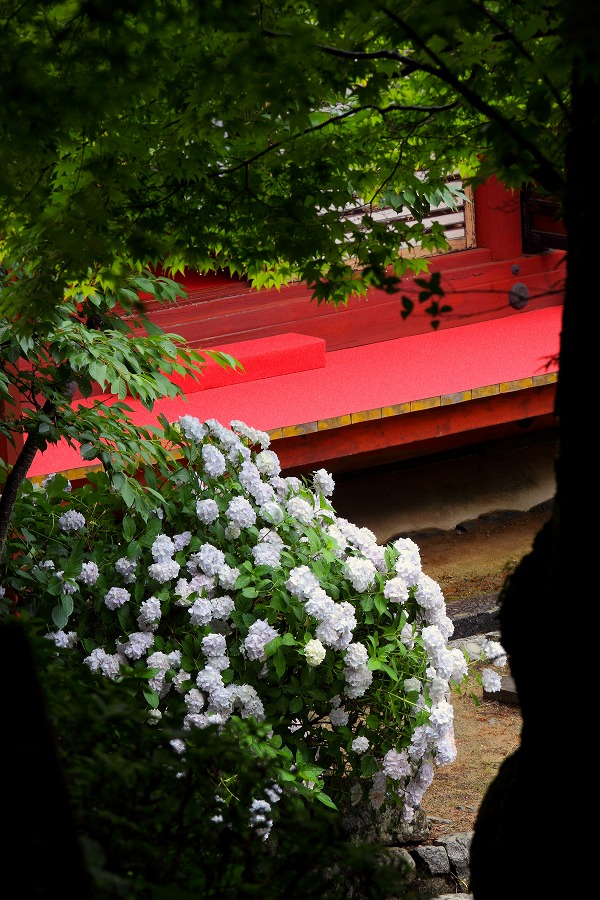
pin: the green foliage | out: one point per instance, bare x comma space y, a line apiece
244, 594
151, 825
219, 136
97, 344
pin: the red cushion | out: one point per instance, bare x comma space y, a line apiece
281, 354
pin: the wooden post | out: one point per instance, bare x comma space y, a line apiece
10, 410
498, 219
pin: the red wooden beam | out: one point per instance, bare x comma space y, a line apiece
428, 431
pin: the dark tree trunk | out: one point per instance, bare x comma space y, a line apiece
17, 475
532, 808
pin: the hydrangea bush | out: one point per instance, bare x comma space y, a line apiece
246, 596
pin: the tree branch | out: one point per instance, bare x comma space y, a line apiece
16, 476
332, 120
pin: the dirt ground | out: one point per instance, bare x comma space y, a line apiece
467, 564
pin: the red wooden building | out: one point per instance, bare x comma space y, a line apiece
359, 385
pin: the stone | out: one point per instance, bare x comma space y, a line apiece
432, 858
458, 848
507, 693
362, 824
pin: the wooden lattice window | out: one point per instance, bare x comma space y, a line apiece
541, 223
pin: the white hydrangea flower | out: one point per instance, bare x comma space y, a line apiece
407, 636
208, 558
314, 651
259, 634
116, 597
261, 493
228, 575
338, 716
360, 572
71, 521
272, 512
162, 548
445, 748
89, 573
266, 554
126, 568
267, 463
396, 590
109, 664
460, 668
164, 571
356, 655
192, 428
360, 745
358, 681
335, 630
249, 475
253, 435
200, 611
274, 792
302, 582
194, 700
69, 586
397, 765
249, 703
180, 541
222, 607
139, 643
334, 532
260, 818
209, 679
442, 715
413, 685
495, 652
215, 463
376, 554
323, 482
491, 681
214, 645
301, 510
150, 613
207, 511
408, 563
429, 594
240, 512
66, 639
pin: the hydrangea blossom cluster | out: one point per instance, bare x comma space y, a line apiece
71, 520
251, 597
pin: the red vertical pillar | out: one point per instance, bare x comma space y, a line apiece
498, 219
10, 410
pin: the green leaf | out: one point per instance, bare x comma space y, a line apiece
279, 663
134, 550
379, 665
368, 765
296, 704
62, 611
129, 528
152, 698
98, 372
325, 799
128, 493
